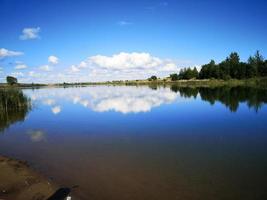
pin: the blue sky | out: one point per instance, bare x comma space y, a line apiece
105, 40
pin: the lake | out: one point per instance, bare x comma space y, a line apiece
128, 142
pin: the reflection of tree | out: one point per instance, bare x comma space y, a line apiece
229, 96
14, 106
153, 87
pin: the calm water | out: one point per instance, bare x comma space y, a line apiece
120, 143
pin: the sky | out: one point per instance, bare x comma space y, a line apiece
80, 41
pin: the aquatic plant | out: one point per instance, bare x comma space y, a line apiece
14, 106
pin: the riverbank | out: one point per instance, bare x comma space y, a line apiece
252, 82
19, 182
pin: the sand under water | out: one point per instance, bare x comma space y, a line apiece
19, 182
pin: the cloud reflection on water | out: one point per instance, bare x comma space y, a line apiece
130, 100
56, 110
36, 135
106, 98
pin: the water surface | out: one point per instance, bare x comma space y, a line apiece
143, 142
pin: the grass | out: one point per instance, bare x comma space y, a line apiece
252, 82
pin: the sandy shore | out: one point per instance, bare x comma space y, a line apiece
19, 182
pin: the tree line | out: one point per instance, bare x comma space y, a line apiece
230, 68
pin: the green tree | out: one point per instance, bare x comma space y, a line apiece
263, 69
210, 70
233, 62
11, 80
188, 73
181, 73
233, 58
195, 73
257, 63
153, 78
174, 77
224, 70
242, 69
231, 67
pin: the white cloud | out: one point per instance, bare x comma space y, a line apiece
130, 66
7, 53
30, 33
121, 66
34, 74
45, 68
124, 23
168, 67
53, 60
17, 74
21, 66
74, 69
31, 73
77, 68
83, 64
124, 61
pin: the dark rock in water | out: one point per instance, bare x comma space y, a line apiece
60, 194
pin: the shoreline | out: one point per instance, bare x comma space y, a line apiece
20, 182
253, 82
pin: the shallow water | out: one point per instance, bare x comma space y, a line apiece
130, 142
